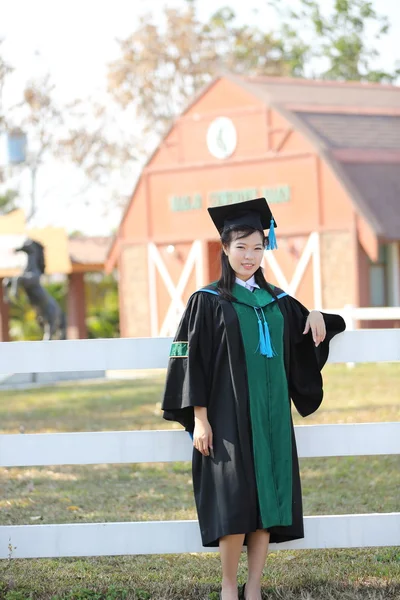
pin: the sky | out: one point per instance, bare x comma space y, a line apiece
74, 41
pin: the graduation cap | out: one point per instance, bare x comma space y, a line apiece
251, 213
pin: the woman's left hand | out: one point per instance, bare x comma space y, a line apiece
315, 322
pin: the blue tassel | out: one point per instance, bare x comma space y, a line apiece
268, 345
272, 245
262, 344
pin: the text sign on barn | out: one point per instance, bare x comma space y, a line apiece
274, 195
185, 202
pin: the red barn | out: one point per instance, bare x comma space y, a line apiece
326, 155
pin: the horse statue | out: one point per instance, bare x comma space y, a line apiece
48, 312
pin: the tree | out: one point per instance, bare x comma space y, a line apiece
161, 67
37, 116
40, 118
8, 201
340, 38
102, 306
5, 71
8, 197
94, 141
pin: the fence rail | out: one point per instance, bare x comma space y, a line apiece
117, 447
363, 345
351, 314
101, 539
169, 537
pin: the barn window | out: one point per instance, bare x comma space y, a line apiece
378, 278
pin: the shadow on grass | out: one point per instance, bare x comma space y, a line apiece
163, 491
367, 574
92, 408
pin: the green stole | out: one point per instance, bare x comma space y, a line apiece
269, 406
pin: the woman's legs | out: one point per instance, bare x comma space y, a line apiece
257, 548
230, 548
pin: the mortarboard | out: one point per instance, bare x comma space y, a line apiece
251, 213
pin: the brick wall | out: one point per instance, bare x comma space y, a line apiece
134, 292
337, 269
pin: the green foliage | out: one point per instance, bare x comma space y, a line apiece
8, 201
112, 593
23, 323
164, 62
102, 306
115, 593
17, 595
59, 292
339, 38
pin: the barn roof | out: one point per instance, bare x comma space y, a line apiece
88, 252
356, 128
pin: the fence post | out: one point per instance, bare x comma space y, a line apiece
348, 317
349, 320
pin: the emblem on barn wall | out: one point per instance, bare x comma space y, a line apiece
221, 137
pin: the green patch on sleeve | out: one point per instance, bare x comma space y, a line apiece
179, 350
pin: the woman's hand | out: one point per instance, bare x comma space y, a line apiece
202, 436
315, 322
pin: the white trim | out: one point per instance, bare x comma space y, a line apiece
303, 263
317, 273
311, 250
162, 269
271, 261
176, 307
152, 292
394, 273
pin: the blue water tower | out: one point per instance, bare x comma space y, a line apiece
16, 146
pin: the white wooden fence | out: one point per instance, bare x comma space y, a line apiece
351, 314
101, 539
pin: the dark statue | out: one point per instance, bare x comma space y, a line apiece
49, 314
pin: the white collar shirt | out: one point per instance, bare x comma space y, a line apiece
250, 284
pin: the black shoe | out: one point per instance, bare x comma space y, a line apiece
242, 592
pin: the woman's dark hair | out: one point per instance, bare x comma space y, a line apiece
227, 279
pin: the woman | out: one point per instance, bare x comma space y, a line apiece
242, 350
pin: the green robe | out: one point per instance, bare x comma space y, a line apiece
269, 406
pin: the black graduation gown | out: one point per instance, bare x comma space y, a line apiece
213, 374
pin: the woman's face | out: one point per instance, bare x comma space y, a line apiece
245, 254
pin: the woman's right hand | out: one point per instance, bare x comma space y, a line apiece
203, 436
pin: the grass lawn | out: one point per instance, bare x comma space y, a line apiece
97, 493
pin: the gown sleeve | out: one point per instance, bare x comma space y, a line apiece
190, 364
305, 360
